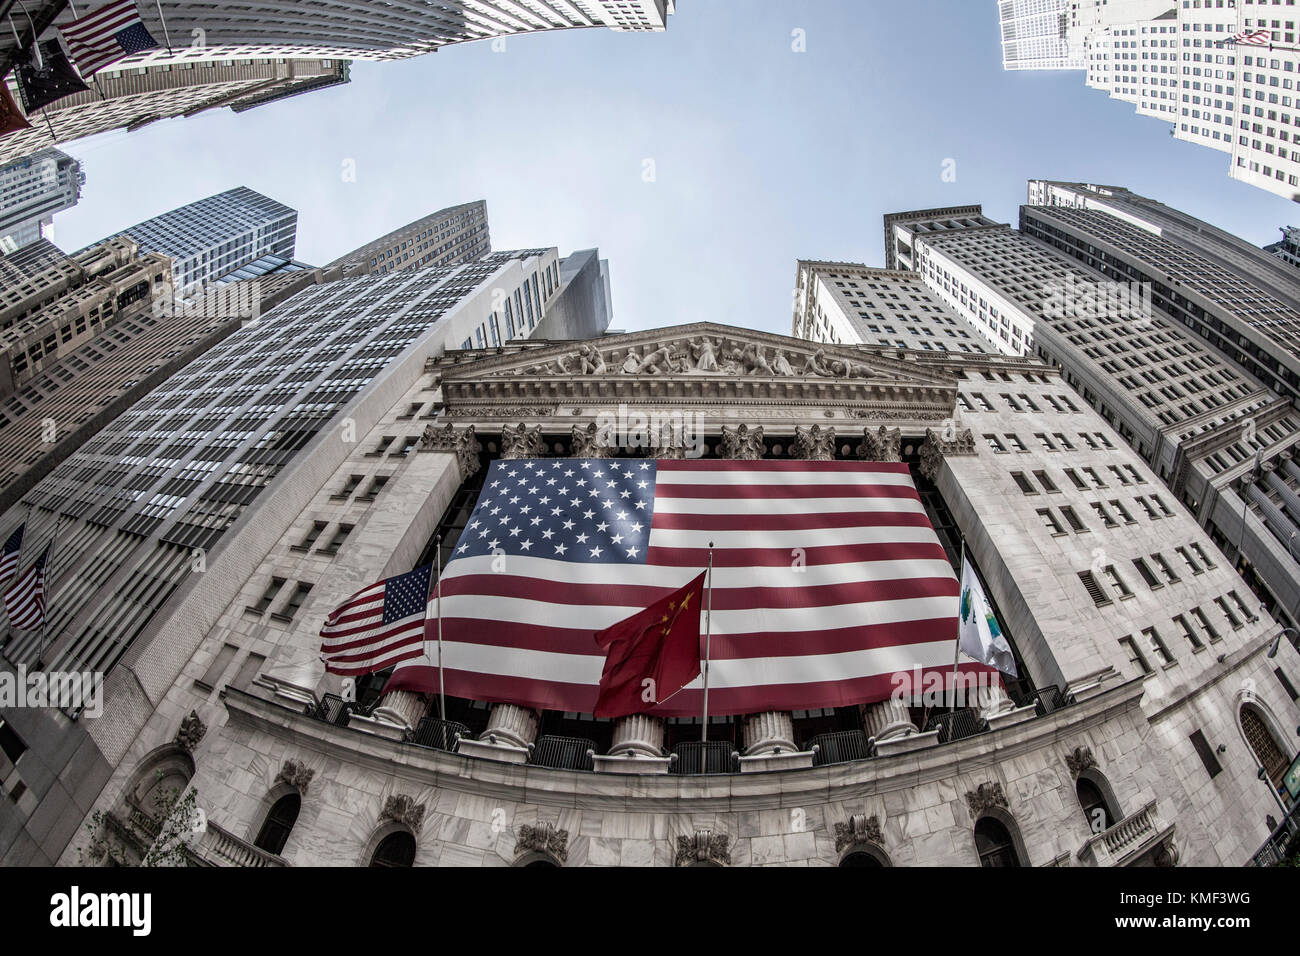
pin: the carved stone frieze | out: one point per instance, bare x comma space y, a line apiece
884, 444
522, 442
703, 846
191, 732
940, 445
544, 838
295, 774
463, 444
742, 443
985, 797
403, 809
813, 444
859, 829
485, 412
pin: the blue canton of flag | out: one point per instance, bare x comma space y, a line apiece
588, 511
406, 595
135, 38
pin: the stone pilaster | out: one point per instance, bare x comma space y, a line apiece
950, 443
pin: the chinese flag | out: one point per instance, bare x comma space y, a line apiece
652, 654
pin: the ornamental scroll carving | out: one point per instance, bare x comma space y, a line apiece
191, 732
522, 442
1079, 760
404, 810
742, 443
938, 446
884, 444
703, 846
463, 444
587, 443
813, 444
859, 829
295, 774
985, 797
544, 838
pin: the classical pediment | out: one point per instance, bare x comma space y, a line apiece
699, 364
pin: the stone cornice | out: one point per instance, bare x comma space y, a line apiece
670, 792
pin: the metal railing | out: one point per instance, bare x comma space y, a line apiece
564, 753
332, 709
1282, 842
1044, 700
700, 756
439, 734
841, 747
956, 725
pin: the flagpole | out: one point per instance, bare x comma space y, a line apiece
47, 579
708, 635
956, 651
162, 19
442, 685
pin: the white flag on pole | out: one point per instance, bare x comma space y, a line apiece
980, 637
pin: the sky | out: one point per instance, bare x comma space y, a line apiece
703, 162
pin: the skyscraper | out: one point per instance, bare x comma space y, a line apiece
450, 236
1287, 248
1173, 62
128, 98
32, 190
213, 237
1034, 35
371, 29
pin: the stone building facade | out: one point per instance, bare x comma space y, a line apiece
1126, 741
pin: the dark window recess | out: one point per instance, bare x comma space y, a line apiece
395, 850
11, 743
1206, 753
279, 824
1286, 683
1095, 592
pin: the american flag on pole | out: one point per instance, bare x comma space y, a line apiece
829, 581
378, 626
9, 554
1252, 37
25, 601
111, 33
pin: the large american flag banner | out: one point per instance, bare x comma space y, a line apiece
828, 580
25, 601
9, 555
106, 35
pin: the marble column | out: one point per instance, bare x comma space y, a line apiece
993, 702
403, 707
769, 733
887, 719
638, 735
511, 724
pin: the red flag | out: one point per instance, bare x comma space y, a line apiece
11, 118
652, 654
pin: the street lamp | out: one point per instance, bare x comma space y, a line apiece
1277, 641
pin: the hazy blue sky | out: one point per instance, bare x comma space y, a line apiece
762, 155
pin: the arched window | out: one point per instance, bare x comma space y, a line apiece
994, 843
397, 850
860, 858
1095, 805
1264, 744
278, 824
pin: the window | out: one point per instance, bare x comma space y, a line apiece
218, 666
994, 844
1048, 485
1187, 557
1157, 645
376, 486
1015, 443
1115, 581
1050, 522
317, 529
295, 601
268, 596
1104, 515
1045, 441
1072, 519
1146, 506
1094, 589
1262, 743
1078, 482
279, 824
1024, 483
352, 483
1147, 574
1180, 622
409, 444
1095, 808
1286, 683
251, 667
996, 444
1204, 624
10, 743
1241, 606
1122, 512
1202, 556
1094, 477
1134, 655
395, 850
1228, 612
1206, 753
383, 445
1163, 566
336, 542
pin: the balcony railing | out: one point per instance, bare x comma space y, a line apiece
219, 847
439, 734
956, 725
1282, 842
841, 747
1127, 840
564, 753
700, 756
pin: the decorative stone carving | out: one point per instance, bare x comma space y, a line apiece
522, 442
487, 412
668, 446
1079, 760
1167, 855
587, 443
813, 444
815, 364
462, 444
543, 838
705, 353
985, 797
937, 447
859, 829
704, 846
590, 361
404, 810
884, 444
191, 732
296, 775
742, 444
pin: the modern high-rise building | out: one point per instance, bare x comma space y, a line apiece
1288, 247
169, 512
213, 237
584, 293
32, 190
1172, 62
370, 29
1035, 35
71, 301
132, 97
451, 236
